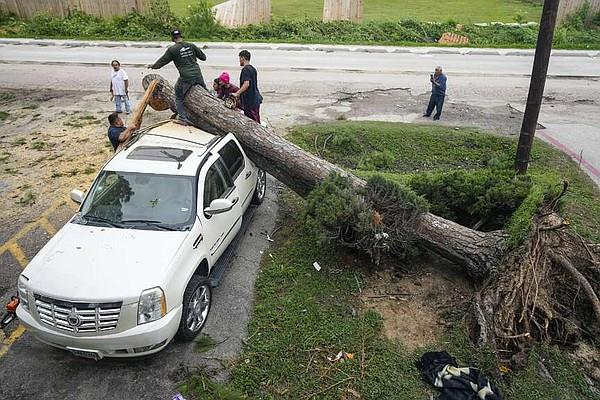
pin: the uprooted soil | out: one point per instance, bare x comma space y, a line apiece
415, 306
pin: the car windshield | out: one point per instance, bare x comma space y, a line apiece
139, 200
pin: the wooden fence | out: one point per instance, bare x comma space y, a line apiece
99, 8
347, 10
567, 7
235, 13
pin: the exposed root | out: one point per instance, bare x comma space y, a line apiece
545, 291
589, 291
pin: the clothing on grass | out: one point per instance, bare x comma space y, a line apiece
441, 370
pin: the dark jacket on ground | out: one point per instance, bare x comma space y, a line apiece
441, 370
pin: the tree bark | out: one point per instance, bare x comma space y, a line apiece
300, 170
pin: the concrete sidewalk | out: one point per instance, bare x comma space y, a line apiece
581, 142
304, 47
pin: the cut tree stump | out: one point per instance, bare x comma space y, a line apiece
479, 252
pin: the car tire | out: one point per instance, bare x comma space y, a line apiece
260, 190
195, 308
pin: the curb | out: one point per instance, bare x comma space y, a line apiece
299, 47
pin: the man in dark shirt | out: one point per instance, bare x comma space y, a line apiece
117, 131
438, 93
249, 93
184, 55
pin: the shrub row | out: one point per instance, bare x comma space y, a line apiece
578, 32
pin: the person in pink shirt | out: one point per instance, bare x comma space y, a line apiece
226, 88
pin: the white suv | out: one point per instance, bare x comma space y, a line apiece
132, 268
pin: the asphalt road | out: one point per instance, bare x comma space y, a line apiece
300, 84
306, 76
33, 370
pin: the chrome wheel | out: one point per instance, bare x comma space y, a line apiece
198, 308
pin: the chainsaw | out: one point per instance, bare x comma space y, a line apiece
11, 312
231, 102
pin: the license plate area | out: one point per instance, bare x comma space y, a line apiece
91, 354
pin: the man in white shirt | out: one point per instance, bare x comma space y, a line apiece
119, 87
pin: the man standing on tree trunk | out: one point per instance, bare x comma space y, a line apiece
184, 55
249, 93
438, 93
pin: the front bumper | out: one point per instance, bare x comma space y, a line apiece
138, 341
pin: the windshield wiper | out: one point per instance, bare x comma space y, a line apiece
95, 218
149, 222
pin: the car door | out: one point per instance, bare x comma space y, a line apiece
241, 170
219, 229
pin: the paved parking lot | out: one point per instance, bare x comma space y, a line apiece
32, 370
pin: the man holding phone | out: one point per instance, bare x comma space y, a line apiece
438, 93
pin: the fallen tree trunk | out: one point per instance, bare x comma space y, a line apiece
535, 296
478, 252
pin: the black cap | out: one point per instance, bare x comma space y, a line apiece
175, 34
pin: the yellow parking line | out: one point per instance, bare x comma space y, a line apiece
15, 249
6, 343
47, 225
18, 254
24, 231
42, 221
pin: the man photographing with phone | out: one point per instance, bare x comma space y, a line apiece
438, 93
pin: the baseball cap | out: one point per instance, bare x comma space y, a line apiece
175, 33
224, 77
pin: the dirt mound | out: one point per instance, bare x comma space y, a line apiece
414, 306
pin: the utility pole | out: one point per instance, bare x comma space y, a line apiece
536, 86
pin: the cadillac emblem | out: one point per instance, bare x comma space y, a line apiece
73, 319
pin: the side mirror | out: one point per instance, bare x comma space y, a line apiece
77, 196
219, 206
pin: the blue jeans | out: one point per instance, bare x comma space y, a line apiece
436, 101
181, 89
122, 98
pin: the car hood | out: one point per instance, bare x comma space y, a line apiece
91, 263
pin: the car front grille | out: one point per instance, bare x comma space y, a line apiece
78, 317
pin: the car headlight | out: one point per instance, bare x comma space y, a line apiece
152, 305
22, 288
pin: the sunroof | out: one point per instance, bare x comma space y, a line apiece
154, 153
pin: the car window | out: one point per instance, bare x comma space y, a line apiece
217, 183
233, 158
127, 196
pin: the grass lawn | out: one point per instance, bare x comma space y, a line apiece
301, 315
463, 11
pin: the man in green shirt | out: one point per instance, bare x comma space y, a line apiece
184, 55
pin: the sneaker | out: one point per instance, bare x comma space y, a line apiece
436, 118
127, 112
426, 115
